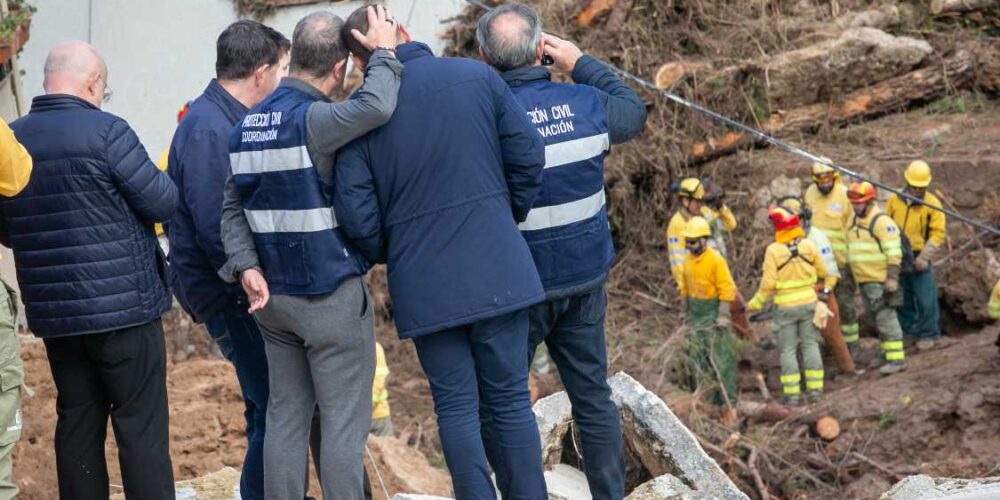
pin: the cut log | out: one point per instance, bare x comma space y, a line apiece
594, 10
825, 427
763, 412
675, 71
761, 385
939, 7
882, 98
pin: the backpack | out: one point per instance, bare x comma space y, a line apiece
906, 266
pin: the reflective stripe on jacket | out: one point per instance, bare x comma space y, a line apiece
920, 224
707, 277
831, 213
870, 254
789, 278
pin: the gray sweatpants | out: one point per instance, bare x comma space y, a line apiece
320, 351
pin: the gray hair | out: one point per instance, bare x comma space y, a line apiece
510, 48
317, 45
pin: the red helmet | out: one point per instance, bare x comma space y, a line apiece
860, 192
782, 218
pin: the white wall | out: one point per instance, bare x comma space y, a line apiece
161, 53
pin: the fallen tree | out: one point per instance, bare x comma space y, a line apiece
941, 7
891, 95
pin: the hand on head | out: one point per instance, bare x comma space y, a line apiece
383, 29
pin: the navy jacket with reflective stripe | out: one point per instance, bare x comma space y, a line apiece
286, 204
567, 228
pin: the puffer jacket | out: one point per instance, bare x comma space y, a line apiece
82, 231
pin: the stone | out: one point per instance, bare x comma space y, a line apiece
567, 483
922, 487
860, 57
223, 484
403, 468
666, 487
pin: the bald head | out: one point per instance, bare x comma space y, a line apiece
509, 36
76, 68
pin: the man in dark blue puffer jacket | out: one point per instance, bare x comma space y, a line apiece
93, 277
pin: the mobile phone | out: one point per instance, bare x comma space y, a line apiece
547, 60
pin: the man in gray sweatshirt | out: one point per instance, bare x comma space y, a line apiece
281, 238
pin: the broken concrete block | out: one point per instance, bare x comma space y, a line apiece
664, 444
666, 487
925, 488
567, 483
860, 57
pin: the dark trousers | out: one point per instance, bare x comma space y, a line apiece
235, 332
486, 363
573, 331
920, 315
122, 374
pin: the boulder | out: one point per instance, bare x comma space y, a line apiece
923, 487
220, 485
403, 468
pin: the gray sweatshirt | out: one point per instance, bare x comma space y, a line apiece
329, 126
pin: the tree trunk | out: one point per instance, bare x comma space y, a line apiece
594, 9
825, 426
763, 412
834, 339
879, 99
939, 7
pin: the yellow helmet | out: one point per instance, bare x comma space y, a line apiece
691, 188
822, 169
696, 227
918, 174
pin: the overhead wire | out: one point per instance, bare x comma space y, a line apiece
763, 137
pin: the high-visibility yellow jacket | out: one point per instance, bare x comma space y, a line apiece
995, 302
870, 253
919, 223
676, 241
707, 277
790, 278
380, 394
15, 163
831, 213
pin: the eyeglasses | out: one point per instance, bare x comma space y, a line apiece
107, 89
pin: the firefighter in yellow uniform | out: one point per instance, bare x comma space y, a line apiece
831, 212
691, 193
708, 291
924, 227
15, 171
381, 416
994, 305
792, 268
875, 252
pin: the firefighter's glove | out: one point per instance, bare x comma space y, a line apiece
822, 315
923, 262
724, 319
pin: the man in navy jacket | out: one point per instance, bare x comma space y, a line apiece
93, 277
436, 193
567, 228
250, 61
